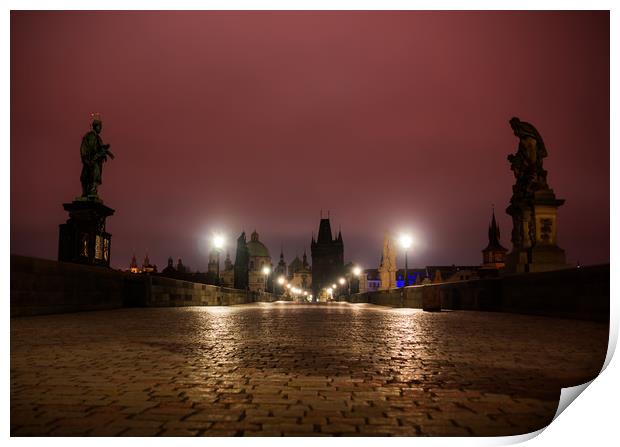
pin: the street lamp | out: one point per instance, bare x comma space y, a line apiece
357, 271
218, 243
281, 282
266, 272
405, 242
342, 282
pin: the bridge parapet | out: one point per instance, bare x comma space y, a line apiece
580, 293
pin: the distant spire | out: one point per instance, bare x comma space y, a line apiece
493, 230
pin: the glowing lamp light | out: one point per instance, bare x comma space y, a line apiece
405, 241
330, 290
342, 281
357, 271
281, 280
288, 286
266, 270
334, 286
219, 241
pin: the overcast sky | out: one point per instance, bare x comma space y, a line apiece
223, 121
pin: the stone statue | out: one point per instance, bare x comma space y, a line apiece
533, 206
387, 268
526, 163
93, 153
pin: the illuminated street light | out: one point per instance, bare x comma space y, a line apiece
357, 271
405, 242
218, 243
288, 286
266, 272
342, 281
281, 280
334, 286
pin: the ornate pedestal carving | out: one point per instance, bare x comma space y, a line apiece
83, 238
537, 224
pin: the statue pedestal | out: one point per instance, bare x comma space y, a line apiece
83, 238
539, 251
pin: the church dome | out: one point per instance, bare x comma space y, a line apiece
256, 247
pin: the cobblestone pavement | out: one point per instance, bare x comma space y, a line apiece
272, 369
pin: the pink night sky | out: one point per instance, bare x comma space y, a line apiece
223, 121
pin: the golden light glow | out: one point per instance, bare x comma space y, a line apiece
281, 280
266, 270
357, 271
342, 281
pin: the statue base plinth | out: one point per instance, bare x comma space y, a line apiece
539, 218
83, 239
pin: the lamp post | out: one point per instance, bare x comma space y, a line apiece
281, 281
218, 244
342, 282
405, 242
357, 271
266, 272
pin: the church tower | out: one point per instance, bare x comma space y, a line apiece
228, 265
494, 255
133, 267
281, 267
387, 269
327, 258
213, 262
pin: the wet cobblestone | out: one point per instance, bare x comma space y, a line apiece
284, 369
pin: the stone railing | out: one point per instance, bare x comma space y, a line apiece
41, 286
581, 293
163, 292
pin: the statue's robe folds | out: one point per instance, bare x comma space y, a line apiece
91, 152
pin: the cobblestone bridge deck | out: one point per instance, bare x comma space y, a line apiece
272, 369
